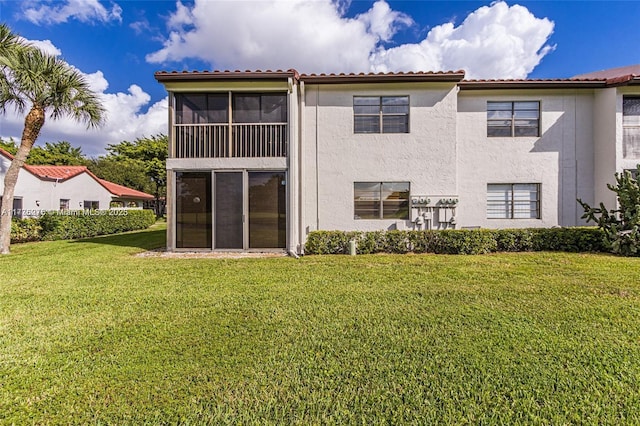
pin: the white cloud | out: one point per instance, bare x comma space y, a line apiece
45, 45
496, 41
302, 34
127, 118
82, 10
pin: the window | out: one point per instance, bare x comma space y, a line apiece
201, 108
631, 126
381, 200
513, 118
91, 205
381, 114
64, 204
513, 201
16, 211
632, 172
255, 108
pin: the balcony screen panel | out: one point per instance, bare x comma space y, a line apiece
257, 108
201, 108
274, 109
246, 108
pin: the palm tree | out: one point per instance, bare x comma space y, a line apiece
40, 84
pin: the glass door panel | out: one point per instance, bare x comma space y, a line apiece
229, 211
193, 210
267, 210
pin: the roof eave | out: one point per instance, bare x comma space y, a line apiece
531, 84
450, 77
163, 76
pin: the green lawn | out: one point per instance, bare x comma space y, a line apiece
90, 333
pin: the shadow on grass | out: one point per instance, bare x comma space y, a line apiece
148, 239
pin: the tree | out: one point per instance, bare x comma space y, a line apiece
139, 164
9, 146
59, 153
39, 84
621, 226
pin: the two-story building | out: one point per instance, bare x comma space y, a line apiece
258, 159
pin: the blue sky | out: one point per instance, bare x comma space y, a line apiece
119, 44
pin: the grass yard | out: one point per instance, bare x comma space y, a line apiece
89, 333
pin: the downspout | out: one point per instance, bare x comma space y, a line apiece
301, 184
317, 162
293, 160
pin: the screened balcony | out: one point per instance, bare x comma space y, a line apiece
203, 128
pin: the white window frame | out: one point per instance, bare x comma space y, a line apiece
496, 115
381, 200
513, 201
380, 113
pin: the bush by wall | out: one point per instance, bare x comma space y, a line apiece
466, 241
79, 224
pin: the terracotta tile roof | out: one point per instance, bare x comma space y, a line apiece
123, 191
55, 172
62, 173
448, 76
452, 76
612, 73
163, 76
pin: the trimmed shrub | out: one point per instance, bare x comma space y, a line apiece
79, 224
25, 230
465, 241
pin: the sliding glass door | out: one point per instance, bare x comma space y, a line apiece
267, 210
193, 210
229, 211
243, 210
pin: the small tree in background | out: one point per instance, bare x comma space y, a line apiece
39, 85
621, 226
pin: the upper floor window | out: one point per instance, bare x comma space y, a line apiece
517, 118
259, 108
213, 108
381, 200
381, 114
631, 126
202, 108
513, 201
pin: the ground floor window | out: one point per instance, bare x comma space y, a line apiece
91, 205
16, 210
64, 204
513, 201
381, 200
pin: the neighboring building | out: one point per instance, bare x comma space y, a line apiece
45, 188
259, 159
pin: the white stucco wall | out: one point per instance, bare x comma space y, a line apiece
40, 195
606, 144
335, 157
560, 160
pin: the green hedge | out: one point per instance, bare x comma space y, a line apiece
79, 224
466, 241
